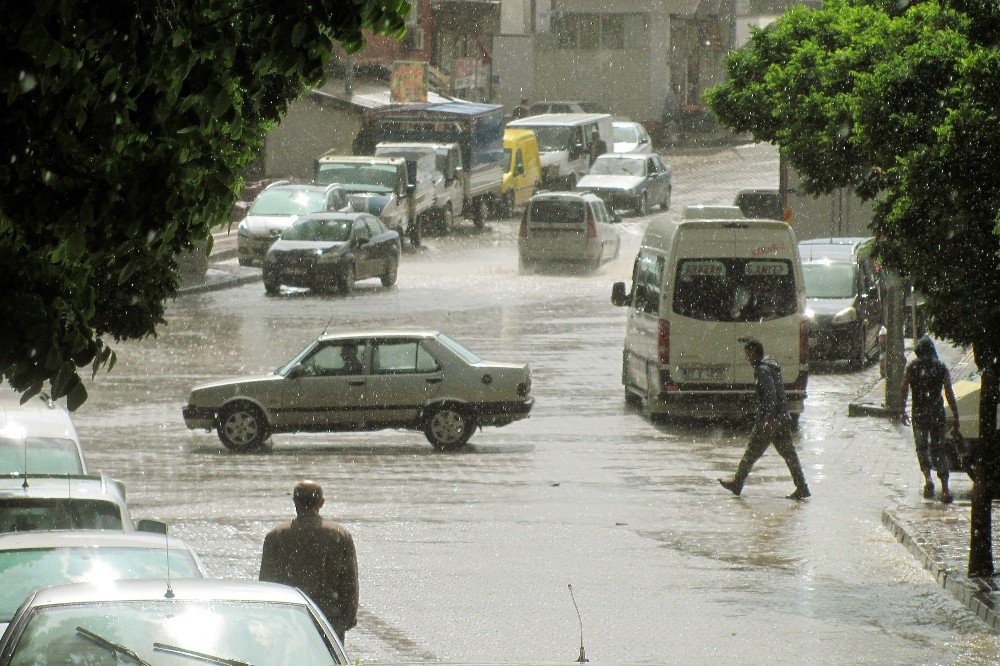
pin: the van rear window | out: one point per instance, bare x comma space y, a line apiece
550, 211
717, 289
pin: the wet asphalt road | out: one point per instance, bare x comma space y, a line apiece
466, 556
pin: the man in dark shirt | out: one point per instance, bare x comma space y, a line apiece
317, 556
522, 110
772, 426
598, 146
926, 376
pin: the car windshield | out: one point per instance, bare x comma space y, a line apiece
288, 202
626, 134
366, 177
24, 571
45, 455
552, 138
458, 349
828, 280
734, 289
262, 634
25, 514
326, 231
618, 166
554, 211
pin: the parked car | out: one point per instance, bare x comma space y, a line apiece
276, 208
843, 299
706, 212
37, 437
423, 159
564, 142
522, 169
567, 227
178, 621
630, 180
367, 381
62, 502
31, 561
382, 186
759, 204
331, 251
564, 106
631, 137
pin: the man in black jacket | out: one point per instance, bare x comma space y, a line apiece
772, 426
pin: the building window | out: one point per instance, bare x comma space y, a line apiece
606, 32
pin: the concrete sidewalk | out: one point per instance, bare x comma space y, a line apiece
938, 534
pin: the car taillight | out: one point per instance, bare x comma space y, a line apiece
663, 341
803, 342
591, 228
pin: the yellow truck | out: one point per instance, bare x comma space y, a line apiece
522, 169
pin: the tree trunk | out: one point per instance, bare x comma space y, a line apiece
985, 461
895, 357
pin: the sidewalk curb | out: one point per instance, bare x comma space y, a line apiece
974, 595
217, 286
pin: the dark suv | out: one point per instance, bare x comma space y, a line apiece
843, 299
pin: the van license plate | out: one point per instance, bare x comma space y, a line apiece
703, 374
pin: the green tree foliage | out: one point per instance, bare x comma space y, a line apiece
899, 102
125, 129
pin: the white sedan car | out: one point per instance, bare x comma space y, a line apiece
367, 381
631, 137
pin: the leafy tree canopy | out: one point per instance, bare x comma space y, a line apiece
125, 130
900, 102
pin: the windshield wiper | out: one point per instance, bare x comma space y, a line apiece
184, 652
112, 647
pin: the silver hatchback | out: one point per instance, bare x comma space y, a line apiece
567, 227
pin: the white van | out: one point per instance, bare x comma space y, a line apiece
40, 433
698, 286
564, 144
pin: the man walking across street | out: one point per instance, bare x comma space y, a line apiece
598, 146
772, 425
926, 376
317, 556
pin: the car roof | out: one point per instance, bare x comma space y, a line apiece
354, 215
35, 418
294, 187
184, 589
550, 196
703, 212
607, 157
87, 539
841, 249
380, 334
361, 159
66, 486
558, 119
422, 145
626, 123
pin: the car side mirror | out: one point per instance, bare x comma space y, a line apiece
411, 188
152, 526
519, 170
619, 295
296, 371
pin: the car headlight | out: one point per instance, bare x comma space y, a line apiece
241, 227
845, 316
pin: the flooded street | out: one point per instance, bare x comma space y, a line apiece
467, 556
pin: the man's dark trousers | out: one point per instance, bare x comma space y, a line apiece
764, 435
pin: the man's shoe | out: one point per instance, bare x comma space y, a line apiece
800, 494
928, 491
731, 486
946, 497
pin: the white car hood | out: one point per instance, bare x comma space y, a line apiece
263, 224
610, 182
551, 157
234, 385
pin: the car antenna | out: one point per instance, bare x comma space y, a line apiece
24, 442
582, 659
327, 326
169, 594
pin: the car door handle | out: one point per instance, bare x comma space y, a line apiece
357, 382
433, 380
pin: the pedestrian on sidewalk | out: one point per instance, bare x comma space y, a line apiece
926, 376
773, 424
317, 556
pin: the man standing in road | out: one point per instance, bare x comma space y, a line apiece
926, 376
317, 556
598, 146
772, 425
522, 110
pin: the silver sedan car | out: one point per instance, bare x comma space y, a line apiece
167, 623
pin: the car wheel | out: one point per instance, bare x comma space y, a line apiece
347, 279
448, 428
524, 266
506, 208
642, 208
860, 356
632, 399
272, 287
242, 427
391, 271
447, 220
480, 211
665, 206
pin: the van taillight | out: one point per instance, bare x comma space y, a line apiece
591, 227
803, 342
663, 341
